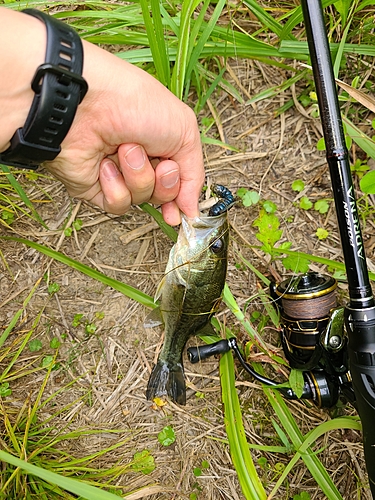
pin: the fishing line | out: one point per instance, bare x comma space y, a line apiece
289, 236
312, 327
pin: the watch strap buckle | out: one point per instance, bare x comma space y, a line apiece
64, 77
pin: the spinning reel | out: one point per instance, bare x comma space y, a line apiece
312, 335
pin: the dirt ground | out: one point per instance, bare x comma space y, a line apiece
113, 364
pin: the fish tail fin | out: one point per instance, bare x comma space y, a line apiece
167, 380
176, 384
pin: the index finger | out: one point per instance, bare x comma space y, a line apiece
192, 175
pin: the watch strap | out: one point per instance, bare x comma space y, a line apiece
59, 88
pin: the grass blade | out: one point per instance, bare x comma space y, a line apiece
169, 21
312, 462
360, 138
340, 51
25, 340
166, 228
321, 260
202, 39
277, 89
297, 18
21, 193
254, 270
366, 100
217, 142
73, 485
251, 485
182, 56
222, 83
127, 290
155, 33
311, 437
253, 49
230, 301
267, 20
17, 315
300, 50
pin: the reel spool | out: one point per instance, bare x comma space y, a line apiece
305, 303
310, 295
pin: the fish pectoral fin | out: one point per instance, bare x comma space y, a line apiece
154, 319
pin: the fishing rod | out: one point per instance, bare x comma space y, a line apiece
360, 312
333, 346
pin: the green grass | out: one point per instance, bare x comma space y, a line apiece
35, 464
240, 450
184, 46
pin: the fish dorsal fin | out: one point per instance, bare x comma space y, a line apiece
153, 319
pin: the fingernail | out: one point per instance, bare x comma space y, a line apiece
135, 157
109, 170
170, 179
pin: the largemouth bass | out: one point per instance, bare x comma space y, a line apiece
190, 292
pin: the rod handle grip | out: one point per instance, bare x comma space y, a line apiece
364, 389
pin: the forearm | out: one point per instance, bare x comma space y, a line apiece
22, 50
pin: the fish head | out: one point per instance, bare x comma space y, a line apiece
201, 247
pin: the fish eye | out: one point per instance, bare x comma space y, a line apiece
217, 245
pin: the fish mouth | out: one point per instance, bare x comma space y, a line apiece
194, 230
203, 220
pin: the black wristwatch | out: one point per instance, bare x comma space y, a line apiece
59, 88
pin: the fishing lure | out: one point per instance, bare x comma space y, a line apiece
225, 202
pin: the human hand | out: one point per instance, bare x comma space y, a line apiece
127, 118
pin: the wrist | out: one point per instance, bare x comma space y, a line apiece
58, 89
22, 50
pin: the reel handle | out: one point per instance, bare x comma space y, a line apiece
196, 354
320, 387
